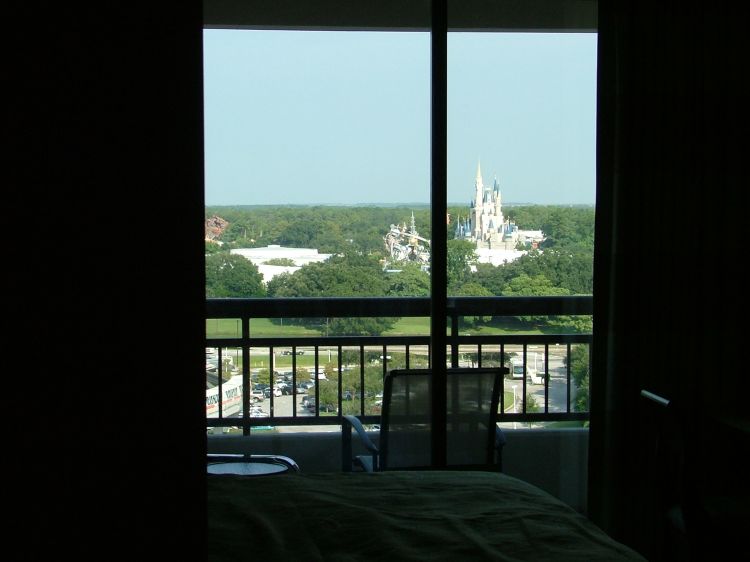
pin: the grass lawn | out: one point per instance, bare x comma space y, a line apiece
567, 424
263, 327
259, 327
410, 327
508, 400
421, 326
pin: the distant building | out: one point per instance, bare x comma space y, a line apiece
298, 256
405, 245
496, 238
214, 228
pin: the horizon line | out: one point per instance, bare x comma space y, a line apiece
381, 204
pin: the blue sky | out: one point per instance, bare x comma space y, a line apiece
340, 118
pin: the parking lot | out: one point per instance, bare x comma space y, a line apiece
282, 405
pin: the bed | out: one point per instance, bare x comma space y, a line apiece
397, 516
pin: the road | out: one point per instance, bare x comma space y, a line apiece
558, 387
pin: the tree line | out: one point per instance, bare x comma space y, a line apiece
562, 265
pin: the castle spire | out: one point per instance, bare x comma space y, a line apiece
478, 186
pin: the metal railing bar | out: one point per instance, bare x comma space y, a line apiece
533, 339
567, 374
376, 341
294, 381
362, 379
317, 385
546, 378
523, 382
352, 307
310, 341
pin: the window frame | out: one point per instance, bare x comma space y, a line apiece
438, 18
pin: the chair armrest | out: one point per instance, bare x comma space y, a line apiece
349, 421
366, 441
500, 442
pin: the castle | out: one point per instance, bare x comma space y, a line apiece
486, 226
496, 238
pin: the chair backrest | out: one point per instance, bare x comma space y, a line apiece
405, 428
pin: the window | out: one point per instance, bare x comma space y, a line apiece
311, 96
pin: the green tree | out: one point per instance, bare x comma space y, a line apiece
349, 357
472, 289
411, 281
280, 261
526, 286
328, 394
264, 376
359, 326
350, 275
460, 257
230, 275
213, 248
494, 278
339, 276
569, 226
579, 371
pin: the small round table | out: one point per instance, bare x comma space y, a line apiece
250, 465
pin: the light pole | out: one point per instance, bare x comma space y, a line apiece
514, 404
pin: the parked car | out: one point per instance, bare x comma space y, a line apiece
284, 389
258, 394
305, 386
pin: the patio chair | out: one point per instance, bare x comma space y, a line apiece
474, 442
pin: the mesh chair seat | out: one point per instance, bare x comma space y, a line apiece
405, 437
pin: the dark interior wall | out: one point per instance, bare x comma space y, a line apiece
105, 123
670, 295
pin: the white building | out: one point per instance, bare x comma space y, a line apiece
498, 256
298, 256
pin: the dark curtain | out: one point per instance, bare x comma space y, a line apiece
103, 308
669, 288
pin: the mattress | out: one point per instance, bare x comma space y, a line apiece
397, 516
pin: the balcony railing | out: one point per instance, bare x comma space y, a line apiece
543, 391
